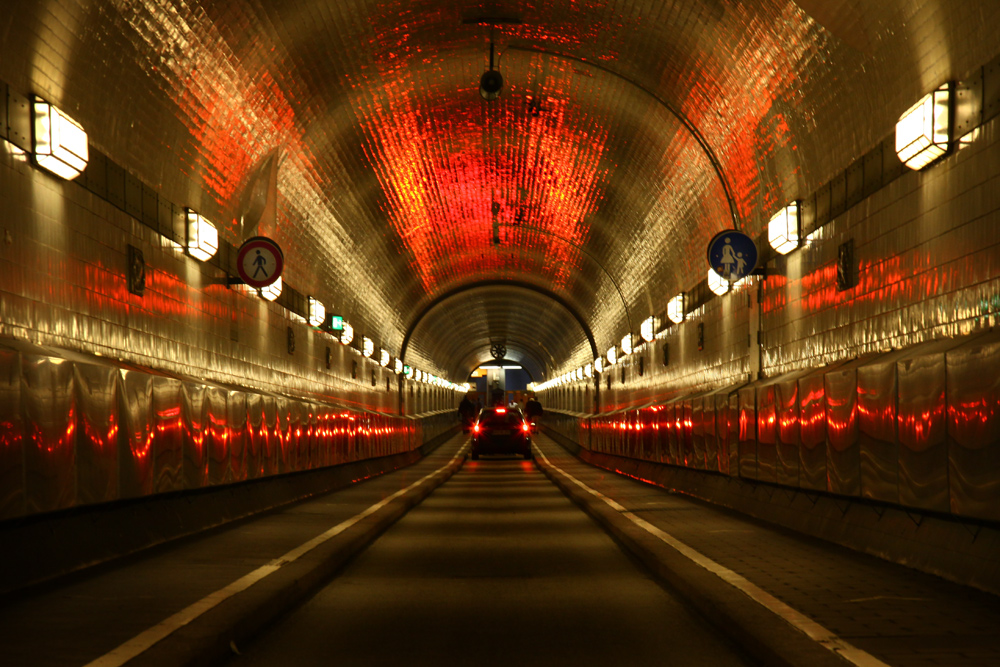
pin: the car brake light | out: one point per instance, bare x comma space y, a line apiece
476, 428
501, 411
525, 428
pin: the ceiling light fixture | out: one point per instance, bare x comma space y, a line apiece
60, 142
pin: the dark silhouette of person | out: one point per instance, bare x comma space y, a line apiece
259, 262
533, 409
467, 413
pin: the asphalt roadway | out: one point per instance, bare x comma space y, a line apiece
495, 567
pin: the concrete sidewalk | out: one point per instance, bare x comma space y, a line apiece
759, 582
191, 602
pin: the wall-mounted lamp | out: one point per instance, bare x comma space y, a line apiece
626, 345
384, 357
272, 291
675, 309
398, 366
588, 370
783, 229
202, 236
648, 329
347, 335
367, 346
408, 372
923, 133
599, 364
612, 355
716, 283
60, 142
317, 312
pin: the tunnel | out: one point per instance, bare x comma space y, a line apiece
256, 254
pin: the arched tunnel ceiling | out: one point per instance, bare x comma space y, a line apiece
538, 331
391, 164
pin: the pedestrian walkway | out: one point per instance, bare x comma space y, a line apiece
200, 593
895, 615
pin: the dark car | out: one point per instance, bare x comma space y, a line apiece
501, 431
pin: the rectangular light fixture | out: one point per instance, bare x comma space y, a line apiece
599, 364
612, 355
783, 229
716, 283
408, 371
398, 366
588, 370
384, 357
923, 133
202, 236
367, 346
626, 345
675, 309
317, 312
648, 329
347, 334
60, 142
272, 291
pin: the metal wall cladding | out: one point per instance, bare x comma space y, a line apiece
922, 427
195, 420
877, 393
236, 430
973, 428
11, 436
708, 426
49, 414
168, 435
97, 462
843, 462
698, 451
77, 432
748, 432
788, 436
255, 436
138, 428
813, 442
767, 451
733, 426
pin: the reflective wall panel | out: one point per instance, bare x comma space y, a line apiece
169, 434
877, 429
11, 436
137, 428
973, 396
788, 437
748, 431
767, 456
49, 414
923, 450
814, 447
97, 432
194, 410
844, 447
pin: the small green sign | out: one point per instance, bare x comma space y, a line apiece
337, 323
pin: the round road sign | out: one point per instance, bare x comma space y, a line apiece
732, 254
260, 261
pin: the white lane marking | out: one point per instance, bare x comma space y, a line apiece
800, 621
144, 640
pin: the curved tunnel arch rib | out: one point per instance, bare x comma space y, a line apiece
480, 290
674, 111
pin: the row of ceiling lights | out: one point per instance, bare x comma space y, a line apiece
923, 135
61, 147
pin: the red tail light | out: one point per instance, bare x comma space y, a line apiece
525, 428
501, 411
476, 428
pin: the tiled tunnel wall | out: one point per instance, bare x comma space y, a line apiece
886, 391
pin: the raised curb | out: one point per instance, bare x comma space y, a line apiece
209, 640
758, 631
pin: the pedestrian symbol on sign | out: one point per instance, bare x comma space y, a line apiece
259, 262
732, 255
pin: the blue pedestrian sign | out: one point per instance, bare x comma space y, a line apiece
732, 254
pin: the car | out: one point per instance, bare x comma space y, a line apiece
501, 431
